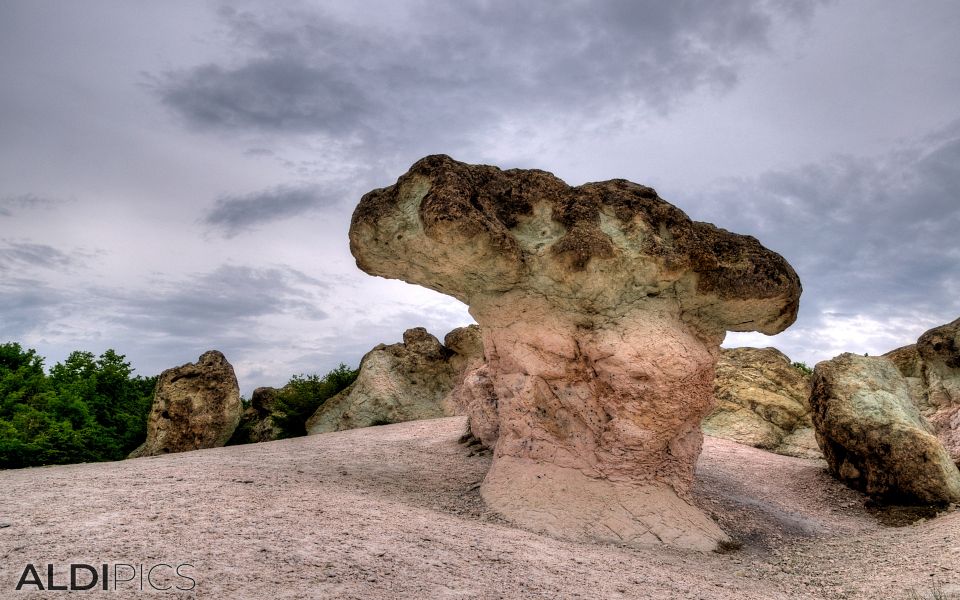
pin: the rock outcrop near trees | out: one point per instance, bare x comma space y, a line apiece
873, 435
602, 309
762, 401
256, 421
195, 406
402, 382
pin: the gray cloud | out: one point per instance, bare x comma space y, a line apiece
27, 304
275, 94
10, 205
220, 304
232, 308
204, 308
26, 255
450, 69
872, 238
231, 215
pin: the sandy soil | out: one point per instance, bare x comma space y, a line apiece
394, 512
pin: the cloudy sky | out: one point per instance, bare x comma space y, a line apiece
177, 176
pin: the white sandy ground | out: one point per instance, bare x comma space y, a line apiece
394, 512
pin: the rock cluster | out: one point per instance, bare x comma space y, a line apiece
195, 406
403, 382
762, 401
602, 309
256, 421
874, 437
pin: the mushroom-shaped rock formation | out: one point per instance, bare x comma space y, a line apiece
195, 406
602, 309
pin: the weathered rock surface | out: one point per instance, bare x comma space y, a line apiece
196, 405
467, 346
256, 421
907, 361
602, 309
932, 370
762, 401
476, 398
874, 437
466, 343
402, 382
939, 351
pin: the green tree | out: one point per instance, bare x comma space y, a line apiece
86, 409
21, 376
304, 394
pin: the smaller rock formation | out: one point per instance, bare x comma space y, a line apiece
476, 398
939, 351
762, 401
907, 361
256, 421
932, 371
195, 406
873, 436
466, 343
402, 382
473, 395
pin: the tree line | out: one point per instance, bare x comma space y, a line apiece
86, 409
90, 408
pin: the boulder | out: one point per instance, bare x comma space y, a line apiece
602, 309
907, 361
466, 345
195, 406
256, 421
874, 437
762, 401
939, 351
401, 382
932, 371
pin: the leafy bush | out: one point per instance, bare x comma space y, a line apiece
304, 394
803, 368
87, 408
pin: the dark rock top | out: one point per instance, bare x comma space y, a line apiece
475, 230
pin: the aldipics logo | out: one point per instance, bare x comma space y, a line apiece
79, 577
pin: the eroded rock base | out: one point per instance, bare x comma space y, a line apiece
567, 504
